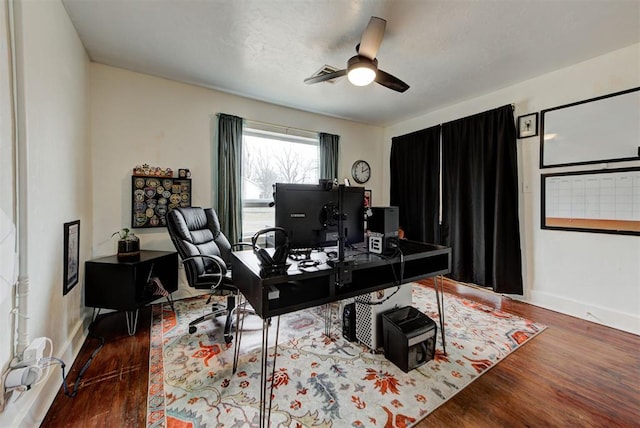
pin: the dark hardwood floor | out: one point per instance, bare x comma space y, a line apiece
576, 373
113, 390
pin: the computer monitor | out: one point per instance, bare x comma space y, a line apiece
352, 210
310, 214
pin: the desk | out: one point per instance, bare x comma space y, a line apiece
124, 285
302, 289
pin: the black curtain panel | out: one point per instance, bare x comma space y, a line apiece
480, 200
415, 170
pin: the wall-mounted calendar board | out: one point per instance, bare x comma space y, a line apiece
603, 201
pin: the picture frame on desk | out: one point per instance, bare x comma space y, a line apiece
71, 255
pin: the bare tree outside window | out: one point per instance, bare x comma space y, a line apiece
258, 169
293, 168
267, 160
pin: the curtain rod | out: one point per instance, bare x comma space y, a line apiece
286, 128
513, 108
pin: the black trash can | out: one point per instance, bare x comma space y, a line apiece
409, 337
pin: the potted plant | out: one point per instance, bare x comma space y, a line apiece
128, 245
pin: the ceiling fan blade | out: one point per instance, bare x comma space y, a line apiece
372, 37
391, 82
325, 77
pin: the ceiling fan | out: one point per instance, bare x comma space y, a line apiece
362, 69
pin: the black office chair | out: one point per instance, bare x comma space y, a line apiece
206, 255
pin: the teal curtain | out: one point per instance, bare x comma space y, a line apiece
328, 145
230, 176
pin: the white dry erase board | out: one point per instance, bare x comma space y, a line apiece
598, 130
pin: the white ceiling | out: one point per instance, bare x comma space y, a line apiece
446, 50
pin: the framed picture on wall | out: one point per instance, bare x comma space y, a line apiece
528, 125
71, 255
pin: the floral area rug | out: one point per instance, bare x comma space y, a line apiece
318, 381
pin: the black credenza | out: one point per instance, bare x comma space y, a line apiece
125, 285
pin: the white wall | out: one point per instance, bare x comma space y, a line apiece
7, 200
588, 275
55, 163
138, 119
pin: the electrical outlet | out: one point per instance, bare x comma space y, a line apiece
35, 351
33, 354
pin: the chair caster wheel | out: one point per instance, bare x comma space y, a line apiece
228, 339
192, 329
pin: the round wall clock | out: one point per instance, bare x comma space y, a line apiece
361, 171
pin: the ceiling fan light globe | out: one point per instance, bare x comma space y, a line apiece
361, 71
361, 76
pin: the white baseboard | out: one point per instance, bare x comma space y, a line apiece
587, 311
31, 408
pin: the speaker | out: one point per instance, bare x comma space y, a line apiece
382, 225
349, 322
279, 257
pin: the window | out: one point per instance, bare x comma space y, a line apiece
270, 157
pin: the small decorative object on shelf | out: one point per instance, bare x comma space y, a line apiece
146, 170
128, 245
184, 173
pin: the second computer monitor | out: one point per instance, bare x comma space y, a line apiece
310, 214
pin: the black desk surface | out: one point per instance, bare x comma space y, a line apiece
304, 288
